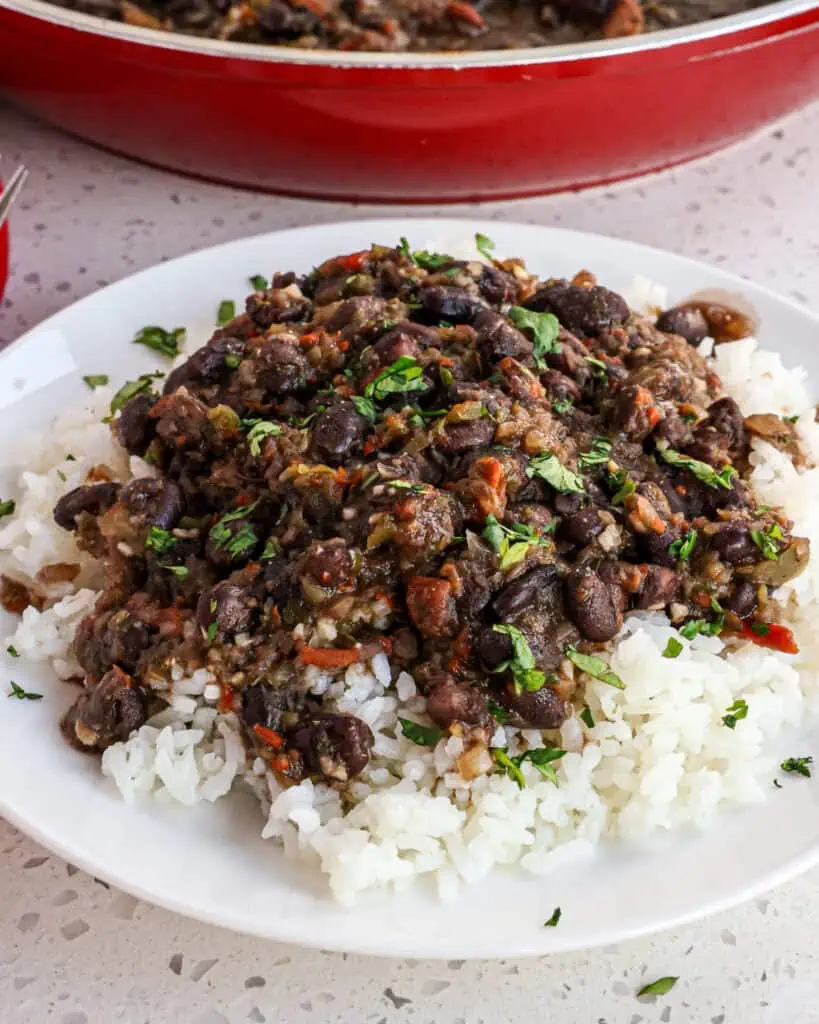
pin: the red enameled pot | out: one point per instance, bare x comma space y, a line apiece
4, 254
410, 127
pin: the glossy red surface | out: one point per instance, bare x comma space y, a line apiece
4, 254
409, 133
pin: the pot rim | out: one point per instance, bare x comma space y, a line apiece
566, 53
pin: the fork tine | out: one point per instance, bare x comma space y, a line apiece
12, 190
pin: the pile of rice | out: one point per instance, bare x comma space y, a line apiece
657, 758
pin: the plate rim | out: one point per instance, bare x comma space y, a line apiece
64, 847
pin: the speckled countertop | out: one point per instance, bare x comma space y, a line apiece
74, 951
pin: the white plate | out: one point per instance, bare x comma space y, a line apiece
210, 863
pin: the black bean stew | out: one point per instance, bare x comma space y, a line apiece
415, 25
475, 471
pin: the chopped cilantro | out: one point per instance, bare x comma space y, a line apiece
522, 662
562, 407
760, 628
737, 711
272, 548
595, 667
541, 758
431, 260
301, 424
511, 542
237, 543
232, 360
484, 245
258, 282
12, 652
404, 375
365, 407
797, 765
96, 380
178, 570
548, 467
598, 455
210, 634
766, 541
446, 376
62, 475
131, 388
545, 329
160, 340
508, 765
600, 369
422, 735
623, 486
659, 987
791, 419
159, 540
587, 717
701, 470
500, 714
258, 432
7, 507
226, 312
681, 549
406, 485
557, 913
673, 648
19, 693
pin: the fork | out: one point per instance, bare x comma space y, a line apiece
11, 191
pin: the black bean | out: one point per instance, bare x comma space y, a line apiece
338, 433
560, 387
497, 338
449, 701
660, 587
111, 638
523, 591
151, 501
451, 304
734, 545
686, 321
336, 746
492, 648
538, 709
592, 605
655, 546
207, 364
329, 564
586, 312
727, 424
230, 606
285, 22
105, 713
497, 286
742, 600
264, 704
93, 499
583, 526
460, 437
134, 427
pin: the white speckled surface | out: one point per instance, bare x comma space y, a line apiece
74, 952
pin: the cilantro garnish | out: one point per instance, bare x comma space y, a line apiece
160, 340
595, 667
511, 542
600, 369
522, 662
587, 717
500, 714
557, 913
623, 486
12, 652
545, 329
365, 407
7, 507
404, 375
673, 648
562, 407
160, 541
18, 693
180, 571
258, 282
210, 634
541, 758
548, 467
681, 549
484, 245
96, 380
766, 541
598, 455
422, 735
701, 470
238, 543
258, 432
737, 711
131, 388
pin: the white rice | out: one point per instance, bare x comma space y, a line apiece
658, 757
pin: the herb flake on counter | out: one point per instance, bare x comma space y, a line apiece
421, 735
485, 246
797, 766
548, 467
160, 340
226, 312
557, 913
594, 667
18, 693
7, 507
767, 541
735, 713
701, 470
545, 329
681, 549
659, 987
673, 648
96, 380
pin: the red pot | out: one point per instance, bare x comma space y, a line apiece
4, 254
419, 127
